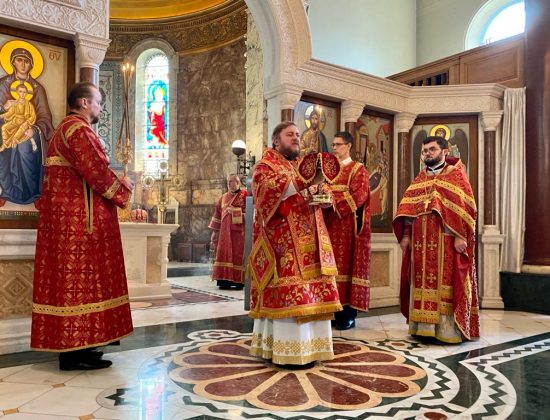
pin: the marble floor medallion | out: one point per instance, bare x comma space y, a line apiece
386, 377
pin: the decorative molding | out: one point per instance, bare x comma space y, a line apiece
352, 110
17, 244
15, 335
404, 121
287, 95
535, 269
16, 288
77, 4
90, 50
490, 120
59, 16
192, 33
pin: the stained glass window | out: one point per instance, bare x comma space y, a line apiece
153, 114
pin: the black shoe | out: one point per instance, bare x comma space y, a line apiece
84, 364
345, 324
94, 354
239, 286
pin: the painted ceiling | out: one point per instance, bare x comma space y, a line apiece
158, 9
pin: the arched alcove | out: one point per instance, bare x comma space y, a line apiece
285, 37
140, 55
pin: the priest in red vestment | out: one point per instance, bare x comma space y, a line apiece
435, 226
227, 238
348, 224
293, 290
80, 295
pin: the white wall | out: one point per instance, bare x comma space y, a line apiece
442, 26
373, 36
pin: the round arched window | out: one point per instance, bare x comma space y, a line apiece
508, 22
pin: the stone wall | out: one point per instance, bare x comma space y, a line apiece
211, 114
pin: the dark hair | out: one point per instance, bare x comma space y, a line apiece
78, 91
280, 127
344, 135
444, 144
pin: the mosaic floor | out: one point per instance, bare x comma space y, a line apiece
188, 359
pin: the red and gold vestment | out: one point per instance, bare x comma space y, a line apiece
228, 221
292, 264
348, 223
443, 281
80, 295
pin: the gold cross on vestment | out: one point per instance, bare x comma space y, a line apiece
426, 203
417, 245
432, 245
431, 277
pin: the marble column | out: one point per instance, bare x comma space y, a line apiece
351, 111
537, 136
90, 52
403, 124
491, 238
280, 105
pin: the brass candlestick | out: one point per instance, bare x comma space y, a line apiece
123, 144
165, 182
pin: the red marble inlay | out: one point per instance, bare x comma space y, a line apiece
386, 370
237, 387
213, 359
381, 385
230, 348
199, 374
340, 348
285, 392
335, 393
435, 416
359, 377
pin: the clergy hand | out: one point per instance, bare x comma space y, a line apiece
404, 244
460, 244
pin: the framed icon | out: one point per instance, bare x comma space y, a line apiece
460, 131
318, 121
35, 71
373, 147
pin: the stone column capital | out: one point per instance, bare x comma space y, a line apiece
352, 110
90, 50
286, 95
490, 120
404, 121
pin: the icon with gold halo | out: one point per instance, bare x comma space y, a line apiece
15, 47
441, 130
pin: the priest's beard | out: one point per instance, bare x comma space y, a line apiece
288, 152
436, 160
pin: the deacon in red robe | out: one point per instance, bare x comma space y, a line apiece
348, 223
227, 238
293, 290
80, 295
435, 225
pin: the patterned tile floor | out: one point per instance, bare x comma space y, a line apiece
188, 359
